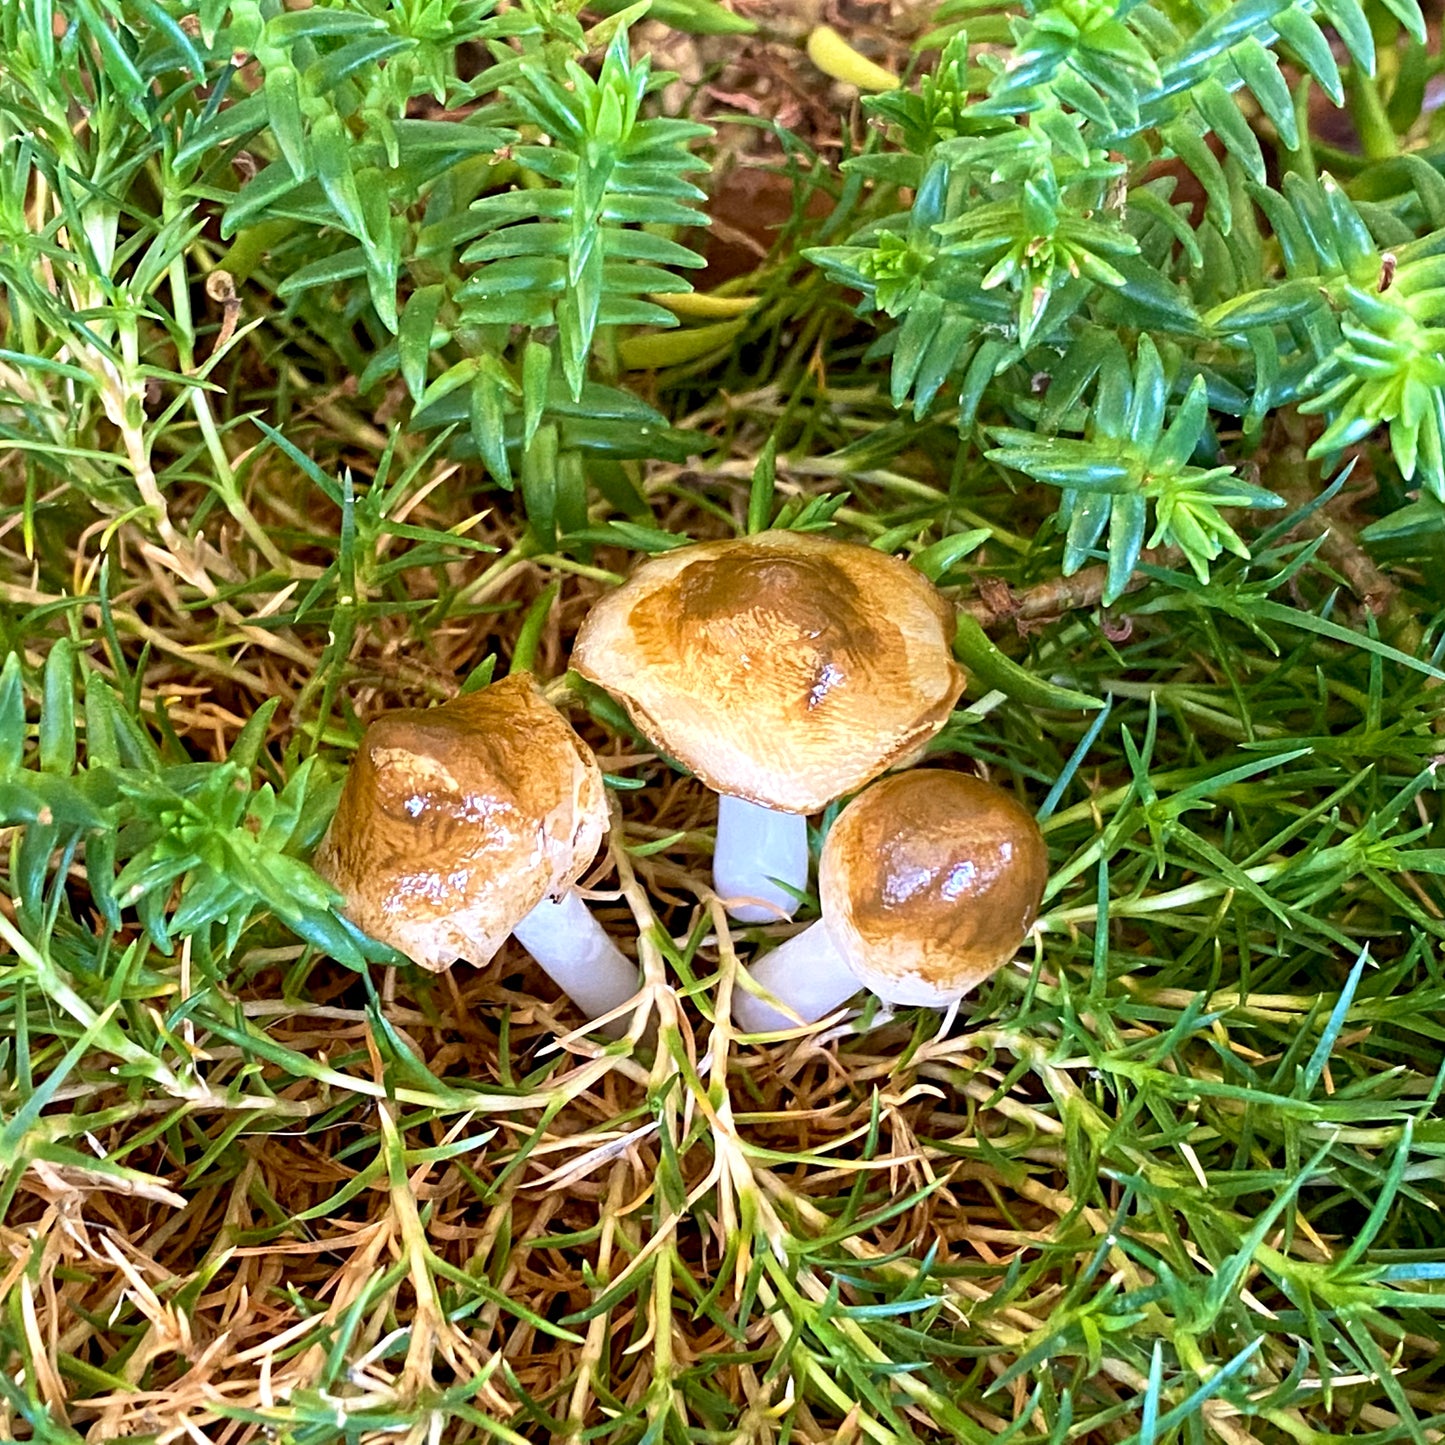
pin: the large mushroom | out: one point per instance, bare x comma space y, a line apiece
929, 882
785, 671
462, 824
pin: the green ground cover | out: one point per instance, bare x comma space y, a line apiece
348, 354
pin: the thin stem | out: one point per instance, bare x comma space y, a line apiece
575, 952
761, 855
807, 975
1367, 110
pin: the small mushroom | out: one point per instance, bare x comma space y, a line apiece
929, 882
785, 671
461, 824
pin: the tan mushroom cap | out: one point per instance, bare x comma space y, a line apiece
929, 882
456, 821
782, 668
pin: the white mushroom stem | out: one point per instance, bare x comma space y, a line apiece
806, 973
575, 952
758, 850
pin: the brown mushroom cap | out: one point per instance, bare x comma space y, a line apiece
456, 821
929, 882
782, 668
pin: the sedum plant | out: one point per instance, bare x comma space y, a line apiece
1043, 274
483, 296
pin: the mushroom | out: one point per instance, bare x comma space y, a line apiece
461, 824
929, 882
785, 671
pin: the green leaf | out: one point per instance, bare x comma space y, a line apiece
282, 90
1409, 14
1261, 74
1266, 611
763, 488
488, 416
12, 716
246, 750
995, 671
536, 387
1063, 462
1271, 306
119, 68
331, 146
1349, 19
1128, 521
1298, 30
259, 195
941, 557
57, 713
334, 70
157, 16
325, 271
695, 17
319, 22
414, 337
540, 485
529, 635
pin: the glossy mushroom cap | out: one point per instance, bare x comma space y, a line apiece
929, 882
456, 821
781, 668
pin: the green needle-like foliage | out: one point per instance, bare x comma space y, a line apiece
196, 845
349, 352
1032, 178
423, 211
564, 257
1128, 460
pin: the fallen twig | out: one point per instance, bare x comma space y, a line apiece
998, 604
